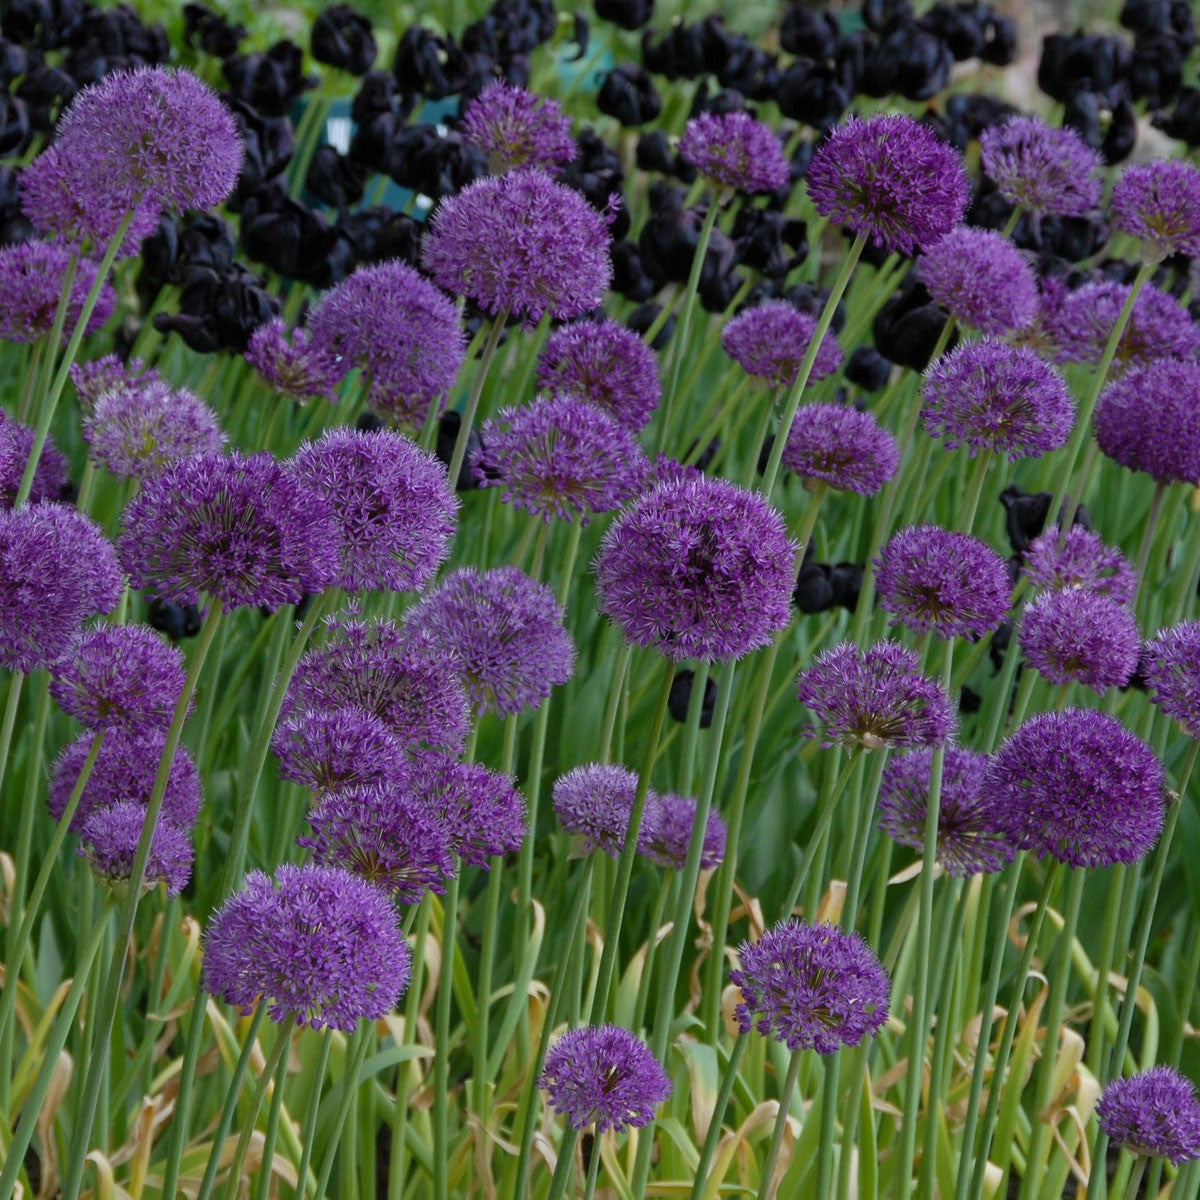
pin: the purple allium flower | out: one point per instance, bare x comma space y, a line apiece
293, 365
891, 179
32, 277
16, 443
1045, 170
561, 457
966, 842
393, 502
605, 363
606, 1075
988, 395
520, 244
1082, 561
406, 336
1171, 667
671, 470
812, 987
876, 699
125, 770
108, 374
1159, 202
501, 631
842, 447
316, 942
733, 150
594, 802
109, 840
1155, 1113
770, 340
237, 527
1079, 786
981, 279
931, 578
482, 809
666, 833
697, 570
1075, 636
517, 128
328, 749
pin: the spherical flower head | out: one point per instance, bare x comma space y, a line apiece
812, 987
594, 803
966, 842
876, 698
1159, 202
697, 570
931, 578
605, 363
1076, 636
1149, 420
1081, 561
981, 279
520, 244
1044, 170
482, 809
770, 340
16, 443
293, 365
890, 179
603, 1075
841, 447
1078, 786
501, 631
518, 128
666, 833
1155, 1113
1171, 667
108, 374
33, 276
109, 840
988, 395
238, 528
315, 942
329, 749
735, 151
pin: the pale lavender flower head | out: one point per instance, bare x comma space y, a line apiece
1044, 170
238, 528
520, 244
841, 447
1082, 561
666, 833
603, 1075
811, 987
481, 808
109, 840
108, 374
981, 279
876, 698
697, 570
501, 631
988, 395
735, 151
32, 278
1078, 786
1159, 202
594, 803
329, 749
315, 942
770, 340
1156, 1114
293, 365
931, 578
890, 179
518, 128
1171, 667
16, 443
1075, 636
967, 844
605, 363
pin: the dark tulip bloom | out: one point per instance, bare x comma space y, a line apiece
429, 65
379, 233
815, 94
177, 621
907, 328
206, 30
867, 369
220, 311
334, 178
628, 95
628, 14
271, 81
342, 38
681, 697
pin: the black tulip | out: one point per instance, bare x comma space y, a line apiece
867, 369
334, 178
429, 65
342, 38
679, 698
813, 93
846, 579
1073, 62
629, 278
15, 132
206, 30
378, 234
177, 621
449, 425
628, 14
628, 95
808, 33
46, 91
644, 316
678, 54
270, 81
908, 326
14, 61
769, 242
813, 592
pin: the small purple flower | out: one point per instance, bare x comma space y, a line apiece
292, 365
32, 277
594, 802
735, 151
1045, 170
1076, 636
1171, 667
841, 447
981, 279
314, 942
329, 749
517, 128
666, 833
811, 987
16, 443
1155, 1113
770, 340
1078, 786
482, 809
108, 374
1082, 561
604, 1075
1159, 202
109, 840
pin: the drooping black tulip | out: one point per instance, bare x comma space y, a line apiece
342, 38
220, 311
429, 65
46, 91
210, 32
378, 234
628, 14
867, 368
907, 327
628, 95
809, 33
334, 178
269, 81
680, 697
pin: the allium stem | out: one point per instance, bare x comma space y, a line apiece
616, 692
713, 1136
565, 1165
356, 1054
12, 703
1121, 892
589, 1190
309, 1129
33, 366
263, 1190
785, 1103
468, 419
441, 1041
1143, 557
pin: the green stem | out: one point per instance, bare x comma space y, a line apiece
565, 1165
356, 1054
263, 1190
309, 1128
785, 1103
468, 420
589, 1190
441, 1041
187, 1075
1143, 557
713, 1136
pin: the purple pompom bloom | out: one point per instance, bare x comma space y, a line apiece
733, 150
603, 1074
108, 374
293, 365
32, 277
594, 802
605, 363
238, 528
875, 699
891, 179
1171, 667
770, 340
517, 128
1042, 169
1076, 636
1159, 202
16, 443
328, 749
520, 244
811, 987
988, 395
981, 279
841, 447
697, 570
501, 631
1078, 786
314, 942
666, 833
482, 809
1082, 561
1155, 1113
109, 840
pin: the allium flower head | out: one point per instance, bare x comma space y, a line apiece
1155, 1113
770, 340
109, 840
32, 278
328, 749
316, 942
733, 150
238, 528
1044, 170
697, 570
666, 833
293, 365
501, 631
1076, 636
50, 476
875, 699
594, 802
522, 244
605, 363
812, 987
841, 447
981, 279
988, 395
108, 374
1078, 786
1171, 667
1082, 561
1159, 202
603, 1074
891, 179
482, 809
518, 128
